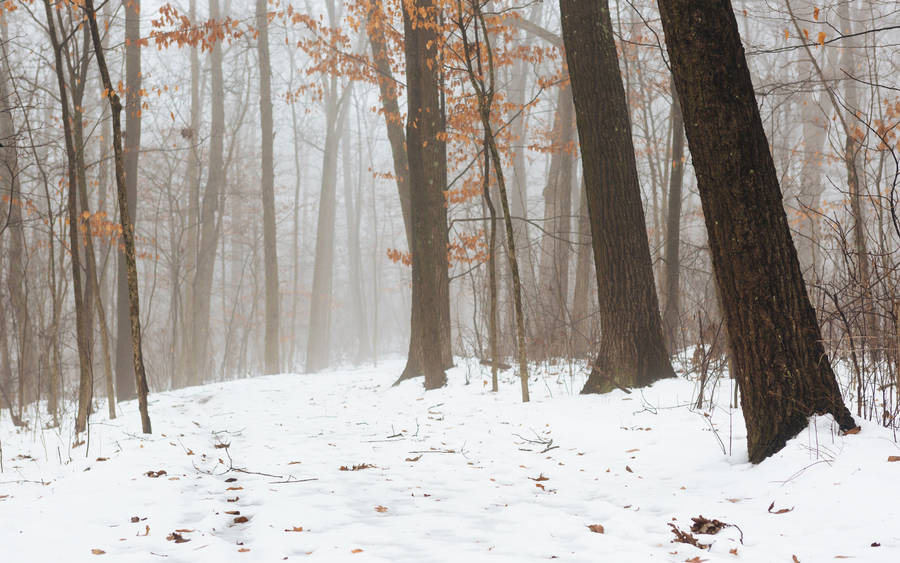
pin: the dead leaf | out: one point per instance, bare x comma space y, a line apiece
695, 560
135, 519
221, 445
235, 499
628, 469
632, 450
97, 551
780, 510
241, 520
733, 500
235, 489
294, 463
294, 529
596, 528
231, 480
706, 526
233, 512
417, 458
540, 478
540, 486
686, 537
243, 550
357, 467
794, 558
177, 538
357, 550
380, 508
155, 474
894, 458
102, 459
184, 531
733, 551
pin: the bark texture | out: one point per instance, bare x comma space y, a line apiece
776, 350
632, 351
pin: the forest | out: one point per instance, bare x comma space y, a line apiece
425, 280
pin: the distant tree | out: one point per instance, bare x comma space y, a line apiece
632, 351
776, 348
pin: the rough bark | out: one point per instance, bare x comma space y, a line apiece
776, 349
632, 351
427, 179
268, 189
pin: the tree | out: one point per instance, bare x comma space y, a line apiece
125, 376
268, 189
776, 349
632, 351
672, 310
427, 179
124, 215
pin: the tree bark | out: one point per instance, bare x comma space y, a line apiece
268, 190
632, 350
427, 179
776, 348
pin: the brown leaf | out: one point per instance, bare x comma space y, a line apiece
733, 551
231, 480
235, 499
540, 486
233, 512
294, 463
596, 528
184, 531
628, 469
686, 537
135, 519
706, 526
235, 489
97, 551
780, 510
357, 467
794, 558
632, 450
417, 458
357, 550
295, 529
155, 474
540, 478
243, 550
380, 508
177, 538
102, 459
894, 458
241, 520
221, 445
695, 559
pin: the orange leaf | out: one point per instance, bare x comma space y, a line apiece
596, 528
821, 38
295, 529
380, 508
243, 550
894, 458
816, 13
357, 550
96, 551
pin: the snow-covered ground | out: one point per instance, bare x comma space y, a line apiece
456, 474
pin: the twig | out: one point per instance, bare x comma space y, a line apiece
289, 480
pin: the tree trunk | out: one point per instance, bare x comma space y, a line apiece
125, 376
672, 311
582, 309
776, 348
268, 190
140, 382
632, 351
199, 356
427, 179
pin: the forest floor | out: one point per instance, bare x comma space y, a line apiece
340, 466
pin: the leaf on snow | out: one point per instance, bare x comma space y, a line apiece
235, 489
794, 559
417, 458
686, 537
177, 538
294, 529
780, 510
233, 512
243, 550
380, 508
540, 478
357, 550
155, 474
894, 458
596, 528
357, 467
695, 559
97, 551
706, 526
231, 480
241, 520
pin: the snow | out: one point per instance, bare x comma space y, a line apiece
631, 463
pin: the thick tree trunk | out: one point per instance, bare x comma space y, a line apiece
427, 179
672, 311
268, 190
632, 351
776, 349
125, 376
140, 382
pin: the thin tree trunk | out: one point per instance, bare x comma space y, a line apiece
672, 311
268, 189
127, 226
